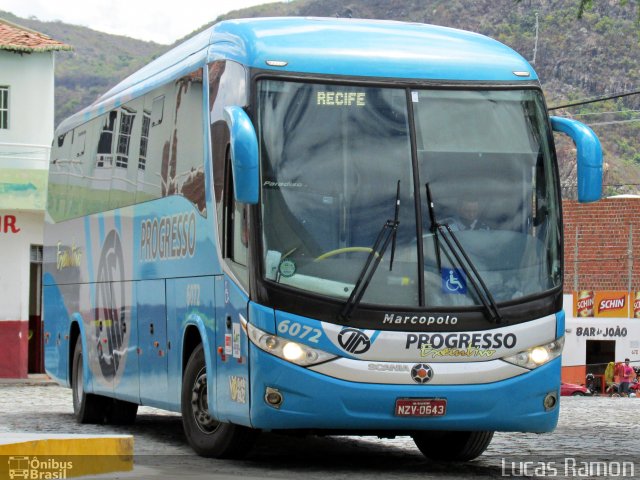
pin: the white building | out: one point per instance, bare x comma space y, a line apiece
26, 130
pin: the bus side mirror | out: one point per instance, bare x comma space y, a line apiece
589, 157
244, 155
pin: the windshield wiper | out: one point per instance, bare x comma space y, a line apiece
396, 222
387, 234
480, 287
434, 227
458, 251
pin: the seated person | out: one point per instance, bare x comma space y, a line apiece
467, 217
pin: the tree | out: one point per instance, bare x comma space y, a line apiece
588, 5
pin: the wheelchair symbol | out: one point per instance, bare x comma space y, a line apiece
454, 281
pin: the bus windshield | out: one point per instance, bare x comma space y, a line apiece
331, 159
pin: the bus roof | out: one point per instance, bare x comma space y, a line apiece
330, 46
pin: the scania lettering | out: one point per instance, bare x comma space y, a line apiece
264, 230
389, 367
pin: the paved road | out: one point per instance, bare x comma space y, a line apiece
590, 429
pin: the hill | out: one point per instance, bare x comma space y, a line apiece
595, 56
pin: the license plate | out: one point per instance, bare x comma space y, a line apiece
421, 407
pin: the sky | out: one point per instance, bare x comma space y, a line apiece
150, 20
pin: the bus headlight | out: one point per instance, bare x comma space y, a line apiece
535, 357
286, 349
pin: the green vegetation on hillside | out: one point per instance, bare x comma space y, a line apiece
576, 58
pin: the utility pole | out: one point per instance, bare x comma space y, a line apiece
535, 45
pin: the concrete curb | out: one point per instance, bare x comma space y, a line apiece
33, 379
64, 456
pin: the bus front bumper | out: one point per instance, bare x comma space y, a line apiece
318, 402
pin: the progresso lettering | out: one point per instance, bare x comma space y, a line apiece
168, 238
461, 340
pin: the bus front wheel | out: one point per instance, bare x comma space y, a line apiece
452, 446
207, 436
87, 407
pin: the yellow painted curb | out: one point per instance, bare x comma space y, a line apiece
64, 456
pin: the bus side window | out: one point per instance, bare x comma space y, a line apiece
227, 86
236, 221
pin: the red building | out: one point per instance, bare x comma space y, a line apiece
602, 285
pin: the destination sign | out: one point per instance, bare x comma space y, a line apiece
341, 99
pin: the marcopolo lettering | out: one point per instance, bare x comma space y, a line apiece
461, 340
168, 238
392, 318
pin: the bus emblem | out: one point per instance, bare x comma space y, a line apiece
354, 341
421, 373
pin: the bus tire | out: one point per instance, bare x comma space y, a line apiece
207, 436
122, 412
452, 446
87, 407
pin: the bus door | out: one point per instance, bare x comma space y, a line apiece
152, 341
232, 378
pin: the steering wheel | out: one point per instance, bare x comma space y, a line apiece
338, 251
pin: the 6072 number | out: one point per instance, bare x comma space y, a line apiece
300, 331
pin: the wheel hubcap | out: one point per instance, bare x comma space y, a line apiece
199, 404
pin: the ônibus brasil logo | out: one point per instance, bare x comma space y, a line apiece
354, 341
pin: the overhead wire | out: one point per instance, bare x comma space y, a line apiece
611, 112
596, 100
613, 122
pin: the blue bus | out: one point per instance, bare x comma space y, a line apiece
315, 225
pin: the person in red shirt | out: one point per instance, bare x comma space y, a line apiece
626, 373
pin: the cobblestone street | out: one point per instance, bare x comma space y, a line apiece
590, 429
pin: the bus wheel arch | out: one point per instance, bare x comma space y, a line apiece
190, 342
207, 436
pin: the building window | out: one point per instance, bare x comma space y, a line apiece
4, 107
36, 253
144, 141
157, 111
124, 137
104, 157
